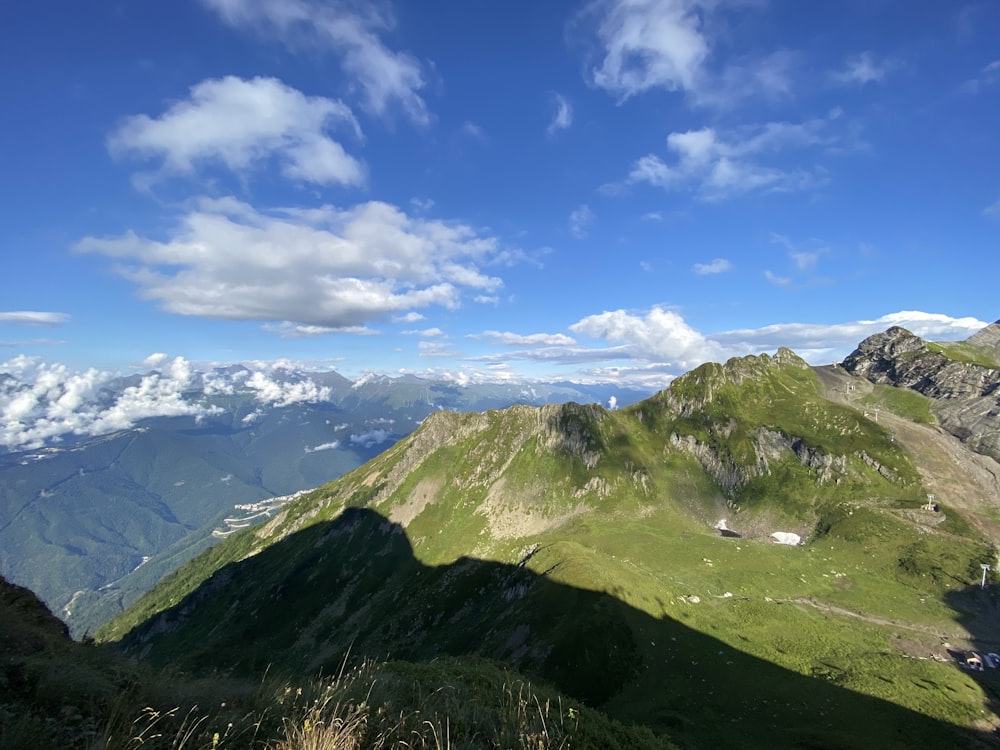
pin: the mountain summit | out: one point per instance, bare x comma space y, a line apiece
587, 548
961, 380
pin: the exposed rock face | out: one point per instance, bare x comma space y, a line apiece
988, 338
966, 395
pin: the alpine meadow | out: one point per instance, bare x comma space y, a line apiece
525, 375
581, 577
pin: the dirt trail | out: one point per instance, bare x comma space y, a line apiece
956, 475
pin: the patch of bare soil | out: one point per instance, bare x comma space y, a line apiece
423, 495
511, 519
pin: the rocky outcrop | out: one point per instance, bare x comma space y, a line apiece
966, 395
988, 338
770, 447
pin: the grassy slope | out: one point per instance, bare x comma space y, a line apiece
56, 693
618, 512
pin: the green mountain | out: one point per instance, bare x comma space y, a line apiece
585, 548
91, 522
56, 693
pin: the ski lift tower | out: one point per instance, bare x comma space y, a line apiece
930, 502
985, 568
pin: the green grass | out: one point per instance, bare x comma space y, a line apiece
633, 604
902, 402
960, 351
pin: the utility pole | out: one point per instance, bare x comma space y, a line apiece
985, 568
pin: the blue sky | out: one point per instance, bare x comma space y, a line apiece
617, 189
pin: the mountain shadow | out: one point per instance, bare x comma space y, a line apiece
353, 586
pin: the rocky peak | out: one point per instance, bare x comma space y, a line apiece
966, 395
987, 338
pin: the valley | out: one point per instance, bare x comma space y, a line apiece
584, 549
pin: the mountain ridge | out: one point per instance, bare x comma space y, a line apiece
624, 503
962, 380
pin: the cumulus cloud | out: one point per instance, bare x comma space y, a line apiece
370, 439
241, 124
40, 402
657, 334
328, 267
33, 318
581, 218
284, 393
353, 32
719, 165
562, 116
719, 265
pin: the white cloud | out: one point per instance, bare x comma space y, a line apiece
533, 339
580, 218
43, 402
820, 343
252, 417
435, 349
647, 44
323, 447
33, 318
241, 124
426, 333
410, 317
284, 393
328, 267
289, 330
658, 334
861, 69
384, 78
666, 342
770, 77
719, 265
642, 45
562, 117
370, 439
720, 165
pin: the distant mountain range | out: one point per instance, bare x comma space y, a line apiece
628, 557
90, 516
